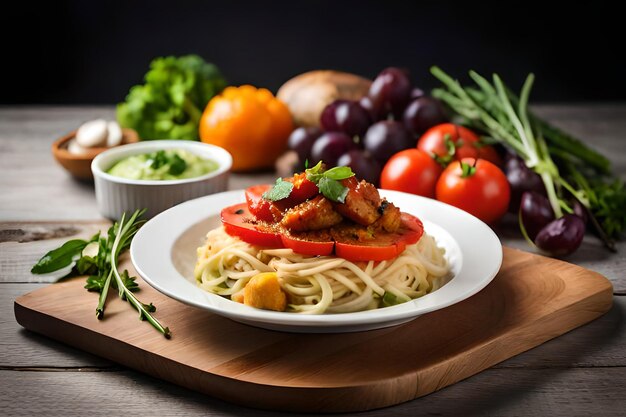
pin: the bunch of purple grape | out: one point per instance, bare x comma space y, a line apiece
364, 134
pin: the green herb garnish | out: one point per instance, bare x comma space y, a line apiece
389, 299
327, 181
332, 189
157, 159
177, 165
62, 256
280, 190
104, 266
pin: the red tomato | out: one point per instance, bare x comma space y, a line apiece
365, 253
308, 247
438, 139
303, 189
239, 222
412, 171
484, 193
262, 209
386, 246
414, 228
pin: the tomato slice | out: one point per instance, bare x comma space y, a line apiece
261, 208
239, 222
303, 189
414, 226
385, 246
308, 247
365, 253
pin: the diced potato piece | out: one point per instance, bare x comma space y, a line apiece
263, 291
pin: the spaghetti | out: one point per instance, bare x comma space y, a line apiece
321, 284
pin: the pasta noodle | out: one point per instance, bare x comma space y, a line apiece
320, 284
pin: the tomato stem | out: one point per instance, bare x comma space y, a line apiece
468, 170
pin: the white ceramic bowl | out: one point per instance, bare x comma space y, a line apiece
117, 195
164, 254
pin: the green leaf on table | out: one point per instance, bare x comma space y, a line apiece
59, 257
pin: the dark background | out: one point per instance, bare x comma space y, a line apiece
83, 52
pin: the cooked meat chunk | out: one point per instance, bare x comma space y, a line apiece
389, 220
315, 214
361, 204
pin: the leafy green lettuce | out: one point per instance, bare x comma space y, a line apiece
170, 103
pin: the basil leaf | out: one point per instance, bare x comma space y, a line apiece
314, 174
280, 191
332, 190
59, 257
339, 173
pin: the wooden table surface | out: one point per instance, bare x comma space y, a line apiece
580, 373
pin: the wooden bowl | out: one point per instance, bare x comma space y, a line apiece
80, 165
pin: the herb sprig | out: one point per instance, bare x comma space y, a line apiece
328, 181
103, 267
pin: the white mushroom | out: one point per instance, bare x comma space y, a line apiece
92, 133
115, 134
75, 148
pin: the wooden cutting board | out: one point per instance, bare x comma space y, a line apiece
533, 299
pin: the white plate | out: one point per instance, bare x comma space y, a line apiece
164, 254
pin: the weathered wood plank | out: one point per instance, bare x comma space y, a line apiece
516, 392
20, 348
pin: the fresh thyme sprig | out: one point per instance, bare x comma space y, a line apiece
103, 267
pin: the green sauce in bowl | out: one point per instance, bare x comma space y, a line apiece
170, 164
